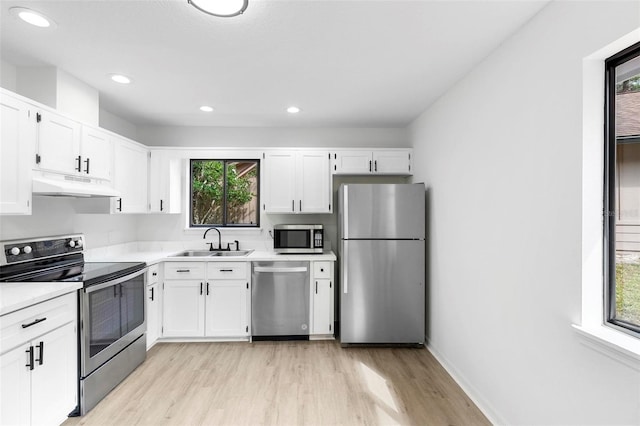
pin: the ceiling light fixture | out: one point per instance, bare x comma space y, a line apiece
32, 17
119, 78
206, 108
293, 110
220, 8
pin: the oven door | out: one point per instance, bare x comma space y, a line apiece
112, 315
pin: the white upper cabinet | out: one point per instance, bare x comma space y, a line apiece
164, 182
58, 147
376, 161
96, 153
297, 182
68, 147
130, 167
17, 150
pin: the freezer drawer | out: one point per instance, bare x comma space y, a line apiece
382, 292
280, 299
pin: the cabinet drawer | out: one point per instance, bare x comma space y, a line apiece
227, 270
38, 319
153, 274
186, 270
321, 270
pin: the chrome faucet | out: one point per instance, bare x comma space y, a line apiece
219, 239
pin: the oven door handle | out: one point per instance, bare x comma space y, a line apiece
117, 281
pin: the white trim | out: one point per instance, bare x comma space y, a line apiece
612, 343
471, 391
592, 325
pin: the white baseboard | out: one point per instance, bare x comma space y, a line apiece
473, 393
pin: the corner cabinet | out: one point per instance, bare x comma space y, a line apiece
206, 299
372, 162
322, 300
38, 363
17, 151
297, 182
130, 164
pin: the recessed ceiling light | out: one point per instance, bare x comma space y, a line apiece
293, 110
32, 17
220, 8
119, 78
206, 108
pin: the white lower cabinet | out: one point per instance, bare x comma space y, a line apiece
322, 299
153, 305
211, 301
38, 363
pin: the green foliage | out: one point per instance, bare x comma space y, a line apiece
208, 191
631, 85
628, 292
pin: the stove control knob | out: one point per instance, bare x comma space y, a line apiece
15, 251
26, 249
72, 243
79, 243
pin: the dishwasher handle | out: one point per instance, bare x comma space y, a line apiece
278, 270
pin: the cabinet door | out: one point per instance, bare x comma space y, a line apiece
130, 169
15, 395
164, 183
314, 182
280, 182
183, 308
227, 302
17, 150
97, 153
353, 163
392, 162
322, 307
54, 380
59, 144
153, 315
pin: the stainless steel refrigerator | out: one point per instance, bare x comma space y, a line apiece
382, 263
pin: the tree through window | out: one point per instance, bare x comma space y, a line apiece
225, 193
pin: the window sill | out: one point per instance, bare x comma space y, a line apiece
612, 343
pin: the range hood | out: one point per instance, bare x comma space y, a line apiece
71, 186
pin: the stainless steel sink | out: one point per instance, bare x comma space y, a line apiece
207, 253
232, 253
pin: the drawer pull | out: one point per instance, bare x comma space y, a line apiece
154, 274
34, 323
226, 270
183, 270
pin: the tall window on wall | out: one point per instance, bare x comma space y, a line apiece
225, 193
622, 190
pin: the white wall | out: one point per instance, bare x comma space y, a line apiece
273, 137
118, 125
7, 76
501, 154
57, 216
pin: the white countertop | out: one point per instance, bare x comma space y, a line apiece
15, 296
153, 257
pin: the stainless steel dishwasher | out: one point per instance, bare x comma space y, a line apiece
280, 300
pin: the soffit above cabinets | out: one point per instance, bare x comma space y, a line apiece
344, 63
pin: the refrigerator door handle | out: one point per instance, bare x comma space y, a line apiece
345, 262
345, 212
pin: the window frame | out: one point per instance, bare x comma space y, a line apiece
609, 190
225, 161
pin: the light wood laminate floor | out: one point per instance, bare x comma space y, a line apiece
285, 383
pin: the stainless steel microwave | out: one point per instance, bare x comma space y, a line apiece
298, 239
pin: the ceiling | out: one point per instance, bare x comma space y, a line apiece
346, 63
